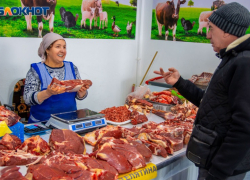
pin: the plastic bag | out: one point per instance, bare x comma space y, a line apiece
139, 92
4, 128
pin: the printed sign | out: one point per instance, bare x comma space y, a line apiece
149, 172
92, 19
185, 20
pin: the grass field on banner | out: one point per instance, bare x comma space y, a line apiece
15, 26
191, 14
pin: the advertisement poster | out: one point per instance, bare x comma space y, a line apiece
92, 19
191, 19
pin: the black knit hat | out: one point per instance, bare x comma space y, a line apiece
232, 18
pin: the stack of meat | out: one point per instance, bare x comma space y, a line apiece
139, 105
161, 139
116, 114
180, 112
69, 85
64, 157
121, 114
8, 116
164, 97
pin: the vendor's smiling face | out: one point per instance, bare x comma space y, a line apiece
57, 52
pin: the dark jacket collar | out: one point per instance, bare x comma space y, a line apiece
239, 45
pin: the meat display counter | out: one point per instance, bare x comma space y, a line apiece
174, 167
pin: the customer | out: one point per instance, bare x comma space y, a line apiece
43, 99
220, 143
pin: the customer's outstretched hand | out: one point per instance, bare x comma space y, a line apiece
171, 77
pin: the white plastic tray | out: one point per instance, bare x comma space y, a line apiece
118, 123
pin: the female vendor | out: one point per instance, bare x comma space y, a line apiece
43, 99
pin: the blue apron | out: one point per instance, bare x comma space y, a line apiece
56, 103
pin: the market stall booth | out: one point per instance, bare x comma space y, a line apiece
135, 141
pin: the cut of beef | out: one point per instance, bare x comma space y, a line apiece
108, 131
67, 141
136, 118
9, 142
156, 149
133, 156
11, 173
141, 148
35, 145
70, 85
43, 172
8, 116
12, 158
114, 158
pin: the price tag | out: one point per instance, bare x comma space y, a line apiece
148, 172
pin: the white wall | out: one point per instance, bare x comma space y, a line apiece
188, 58
110, 64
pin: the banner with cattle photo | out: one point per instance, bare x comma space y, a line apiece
185, 20
92, 19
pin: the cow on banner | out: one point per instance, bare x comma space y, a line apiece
167, 14
49, 16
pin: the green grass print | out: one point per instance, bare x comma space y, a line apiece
15, 26
191, 14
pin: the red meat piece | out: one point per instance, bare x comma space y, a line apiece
66, 141
114, 158
8, 116
35, 145
10, 142
10, 173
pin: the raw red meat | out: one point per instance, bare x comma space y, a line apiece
116, 114
133, 156
96, 166
43, 172
108, 131
150, 125
35, 145
9, 142
114, 158
10, 173
67, 141
8, 116
130, 131
141, 148
138, 119
70, 85
156, 149
11, 158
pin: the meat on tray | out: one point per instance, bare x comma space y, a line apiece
141, 148
11, 158
116, 114
67, 141
139, 105
114, 158
10, 142
108, 131
35, 145
70, 85
136, 118
11, 172
8, 116
130, 152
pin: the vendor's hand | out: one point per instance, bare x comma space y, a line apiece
54, 90
81, 92
171, 77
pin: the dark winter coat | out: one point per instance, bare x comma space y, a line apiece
225, 108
